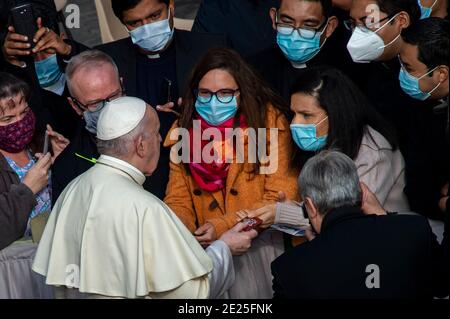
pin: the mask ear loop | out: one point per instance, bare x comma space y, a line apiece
321, 121
321, 32
396, 38
437, 86
434, 3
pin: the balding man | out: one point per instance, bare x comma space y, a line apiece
108, 237
92, 79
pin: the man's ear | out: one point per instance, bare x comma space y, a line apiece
311, 208
333, 23
140, 146
75, 107
273, 17
403, 20
443, 73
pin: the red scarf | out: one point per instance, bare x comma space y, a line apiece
212, 177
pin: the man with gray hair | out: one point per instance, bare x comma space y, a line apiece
92, 80
108, 237
360, 251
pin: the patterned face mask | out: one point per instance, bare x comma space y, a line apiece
15, 137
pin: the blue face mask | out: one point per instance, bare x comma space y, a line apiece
425, 12
216, 112
91, 119
154, 36
305, 136
300, 49
410, 85
48, 71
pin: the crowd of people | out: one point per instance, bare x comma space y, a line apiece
117, 166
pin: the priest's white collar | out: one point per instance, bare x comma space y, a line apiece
123, 166
298, 65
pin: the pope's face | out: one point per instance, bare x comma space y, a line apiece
152, 143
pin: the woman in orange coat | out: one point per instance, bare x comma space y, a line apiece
225, 93
207, 192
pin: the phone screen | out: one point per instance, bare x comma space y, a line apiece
46, 144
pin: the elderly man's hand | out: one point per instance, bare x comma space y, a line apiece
237, 240
206, 234
49, 42
370, 203
267, 213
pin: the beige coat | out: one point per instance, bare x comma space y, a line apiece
383, 171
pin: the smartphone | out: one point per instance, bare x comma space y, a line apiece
24, 22
251, 223
46, 144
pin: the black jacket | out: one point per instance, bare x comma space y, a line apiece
278, 72
335, 264
246, 23
421, 136
189, 48
69, 165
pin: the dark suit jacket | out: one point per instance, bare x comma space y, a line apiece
189, 47
334, 264
420, 133
246, 23
68, 165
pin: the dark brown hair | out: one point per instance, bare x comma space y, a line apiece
254, 96
10, 87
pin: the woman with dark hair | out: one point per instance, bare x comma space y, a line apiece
24, 182
225, 94
330, 112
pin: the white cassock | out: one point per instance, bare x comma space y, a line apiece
107, 236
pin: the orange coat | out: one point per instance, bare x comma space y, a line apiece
244, 190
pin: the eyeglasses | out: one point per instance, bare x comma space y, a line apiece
304, 32
98, 105
224, 95
351, 24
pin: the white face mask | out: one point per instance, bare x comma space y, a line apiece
366, 45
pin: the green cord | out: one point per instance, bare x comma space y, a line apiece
92, 160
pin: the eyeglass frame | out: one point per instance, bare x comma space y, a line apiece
321, 28
346, 22
196, 94
115, 95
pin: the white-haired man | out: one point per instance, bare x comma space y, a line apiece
108, 237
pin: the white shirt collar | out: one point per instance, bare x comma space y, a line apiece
136, 174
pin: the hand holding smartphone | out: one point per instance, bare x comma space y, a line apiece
24, 22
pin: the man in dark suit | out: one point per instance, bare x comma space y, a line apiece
155, 63
308, 33
360, 250
419, 129
92, 79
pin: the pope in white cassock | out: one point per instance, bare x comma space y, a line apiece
108, 237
